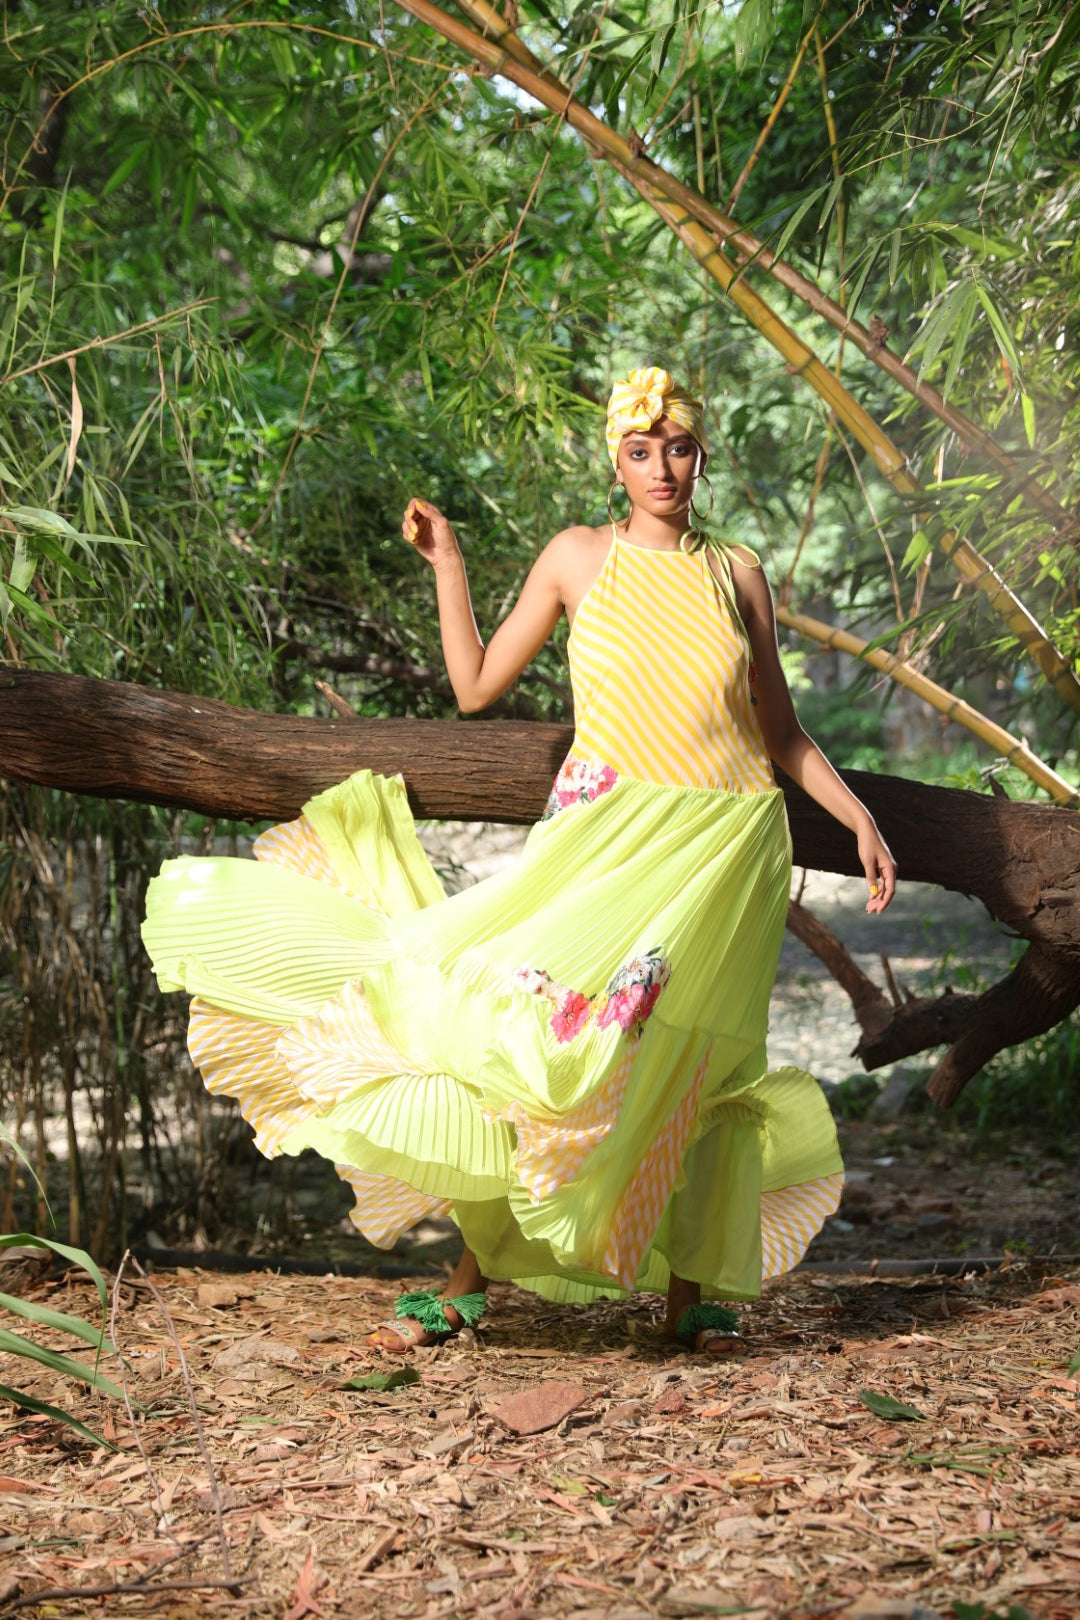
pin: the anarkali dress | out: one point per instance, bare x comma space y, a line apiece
568, 1059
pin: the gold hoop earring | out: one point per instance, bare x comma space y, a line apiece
614, 486
703, 517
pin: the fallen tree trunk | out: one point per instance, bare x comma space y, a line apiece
115, 740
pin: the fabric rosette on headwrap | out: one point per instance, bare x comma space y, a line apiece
641, 399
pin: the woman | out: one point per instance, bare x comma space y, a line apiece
568, 1058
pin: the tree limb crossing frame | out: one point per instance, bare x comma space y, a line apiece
117, 740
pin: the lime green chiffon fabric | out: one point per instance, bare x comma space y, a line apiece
576, 1160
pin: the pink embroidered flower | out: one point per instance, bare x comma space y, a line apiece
628, 1001
571, 1015
633, 993
534, 981
579, 782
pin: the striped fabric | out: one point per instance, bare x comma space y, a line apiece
549, 1155
791, 1217
661, 619
385, 1209
645, 1199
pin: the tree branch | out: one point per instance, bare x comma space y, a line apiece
1022, 860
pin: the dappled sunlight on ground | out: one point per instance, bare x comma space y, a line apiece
786, 1482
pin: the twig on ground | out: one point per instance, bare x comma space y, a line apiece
59, 1594
215, 1494
159, 1504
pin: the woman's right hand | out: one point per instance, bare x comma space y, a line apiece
425, 528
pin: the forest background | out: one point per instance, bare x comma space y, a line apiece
271, 269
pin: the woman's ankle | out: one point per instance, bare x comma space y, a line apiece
681, 1294
466, 1278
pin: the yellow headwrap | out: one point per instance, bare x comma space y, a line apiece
642, 399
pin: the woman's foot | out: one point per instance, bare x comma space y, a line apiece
459, 1305
687, 1321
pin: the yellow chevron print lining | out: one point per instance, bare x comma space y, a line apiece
662, 617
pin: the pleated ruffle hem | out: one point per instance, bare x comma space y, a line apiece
568, 1059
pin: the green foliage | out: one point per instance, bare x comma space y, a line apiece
847, 723
27, 1349
982, 1461
268, 273
854, 1097
979, 1611
887, 1406
384, 1382
1035, 1085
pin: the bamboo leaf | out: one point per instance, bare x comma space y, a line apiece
960, 340
45, 546
894, 256
943, 323
30, 1403
886, 1406
37, 518
1001, 331
982, 244
11, 598
46, 525
58, 228
795, 219
748, 28
125, 168
44, 1316
5, 1135
66, 1251
918, 550
1027, 406
22, 567
658, 50
17, 1344
384, 1381
76, 423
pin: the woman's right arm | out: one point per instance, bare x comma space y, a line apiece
477, 673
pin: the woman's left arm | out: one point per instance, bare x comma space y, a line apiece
792, 749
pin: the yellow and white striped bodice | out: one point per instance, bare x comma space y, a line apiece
660, 668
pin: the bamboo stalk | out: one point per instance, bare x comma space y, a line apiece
751, 249
680, 207
889, 460
774, 112
884, 453
1013, 749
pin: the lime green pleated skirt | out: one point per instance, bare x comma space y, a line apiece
568, 1059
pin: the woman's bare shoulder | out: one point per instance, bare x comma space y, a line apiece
580, 547
578, 536
575, 557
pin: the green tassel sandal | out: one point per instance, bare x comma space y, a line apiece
698, 1324
427, 1310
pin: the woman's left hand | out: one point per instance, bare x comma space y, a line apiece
880, 869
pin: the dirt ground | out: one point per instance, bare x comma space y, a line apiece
777, 1484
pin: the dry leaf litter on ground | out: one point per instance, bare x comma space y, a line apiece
559, 1460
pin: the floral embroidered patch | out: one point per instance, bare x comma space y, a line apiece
633, 992
628, 1000
579, 782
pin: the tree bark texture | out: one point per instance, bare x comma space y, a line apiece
115, 740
